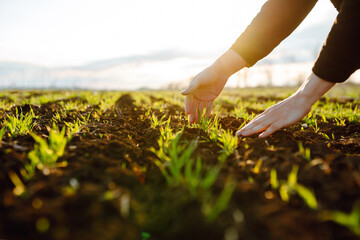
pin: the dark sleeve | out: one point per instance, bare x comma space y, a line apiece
276, 20
340, 55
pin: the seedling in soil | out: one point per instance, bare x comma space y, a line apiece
273, 179
228, 141
327, 136
204, 122
2, 133
305, 152
311, 120
173, 158
340, 122
19, 186
211, 127
156, 122
177, 166
46, 154
86, 119
315, 126
257, 166
291, 186
323, 117
73, 128
350, 220
212, 212
214, 131
20, 125
57, 118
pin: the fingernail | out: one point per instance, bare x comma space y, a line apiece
184, 92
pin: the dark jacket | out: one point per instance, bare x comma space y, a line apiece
340, 54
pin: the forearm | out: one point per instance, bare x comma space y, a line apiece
340, 55
313, 88
229, 63
276, 20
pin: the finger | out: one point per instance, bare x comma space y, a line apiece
197, 113
259, 127
192, 86
248, 126
273, 128
188, 103
254, 122
193, 110
209, 108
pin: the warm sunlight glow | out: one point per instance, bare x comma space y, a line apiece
156, 40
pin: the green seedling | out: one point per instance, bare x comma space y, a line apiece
86, 119
211, 127
19, 185
327, 136
180, 169
20, 125
274, 179
323, 117
305, 152
156, 122
228, 142
340, 122
204, 122
73, 128
291, 186
350, 220
173, 158
46, 153
315, 126
57, 117
311, 120
212, 212
257, 166
2, 133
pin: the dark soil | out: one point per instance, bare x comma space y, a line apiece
111, 157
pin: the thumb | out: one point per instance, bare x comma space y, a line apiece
192, 86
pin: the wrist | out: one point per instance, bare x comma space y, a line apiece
313, 89
229, 63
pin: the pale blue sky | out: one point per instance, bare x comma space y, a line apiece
68, 32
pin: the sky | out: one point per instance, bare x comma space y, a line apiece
66, 33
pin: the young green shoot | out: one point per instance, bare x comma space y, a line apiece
46, 153
2, 133
291, 186
211, 212
156, 122
305, 152
20, 125
228, 142
180, 169
350, 220
274, 182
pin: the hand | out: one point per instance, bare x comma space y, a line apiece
282, 114
201, 93
288, 111
208, 84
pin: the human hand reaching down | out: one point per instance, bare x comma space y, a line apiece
208, 84
288, 111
